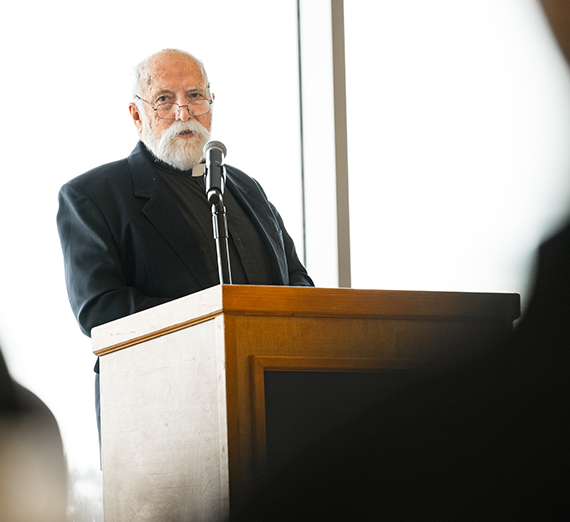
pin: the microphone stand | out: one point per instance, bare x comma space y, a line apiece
215, 178
220, 225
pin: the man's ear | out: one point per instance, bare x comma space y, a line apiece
136, 116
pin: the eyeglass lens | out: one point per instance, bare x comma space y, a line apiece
171, 110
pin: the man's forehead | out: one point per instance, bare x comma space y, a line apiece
168, 72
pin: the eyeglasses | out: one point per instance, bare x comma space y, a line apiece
171, 111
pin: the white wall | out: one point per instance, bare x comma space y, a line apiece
459, 120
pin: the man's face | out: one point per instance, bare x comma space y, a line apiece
173, 78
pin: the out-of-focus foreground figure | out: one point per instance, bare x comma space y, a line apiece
33, 480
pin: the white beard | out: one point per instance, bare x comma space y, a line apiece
178, 153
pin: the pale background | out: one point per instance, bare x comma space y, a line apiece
458, 124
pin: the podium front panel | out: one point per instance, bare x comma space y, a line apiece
163, 406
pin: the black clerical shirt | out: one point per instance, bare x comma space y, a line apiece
249, 261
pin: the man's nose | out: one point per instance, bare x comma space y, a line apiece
183, 113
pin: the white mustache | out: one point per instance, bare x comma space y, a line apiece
180, 126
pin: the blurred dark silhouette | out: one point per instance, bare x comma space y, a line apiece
33, 479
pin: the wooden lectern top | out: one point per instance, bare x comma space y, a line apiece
301, 301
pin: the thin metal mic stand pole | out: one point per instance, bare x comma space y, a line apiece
220, 225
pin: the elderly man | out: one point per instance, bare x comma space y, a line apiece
138, 232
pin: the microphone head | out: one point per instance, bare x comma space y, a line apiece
215, 145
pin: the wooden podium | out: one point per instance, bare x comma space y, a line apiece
200, 396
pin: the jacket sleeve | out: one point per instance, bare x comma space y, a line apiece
96, 282
298, 275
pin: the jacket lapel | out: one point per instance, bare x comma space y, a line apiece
265, 222
163, 213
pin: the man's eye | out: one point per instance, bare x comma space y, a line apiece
196, 96
162, 99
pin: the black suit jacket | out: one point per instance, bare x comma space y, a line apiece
126, 247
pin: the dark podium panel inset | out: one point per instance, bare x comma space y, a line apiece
298, 401
303, 407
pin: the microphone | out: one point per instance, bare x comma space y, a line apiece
214, 152
215, 173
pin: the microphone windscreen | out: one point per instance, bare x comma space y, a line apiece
215, 145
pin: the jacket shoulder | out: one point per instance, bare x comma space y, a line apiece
242, 180
113, 171
239, 175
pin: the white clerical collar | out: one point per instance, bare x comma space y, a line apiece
198, 170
